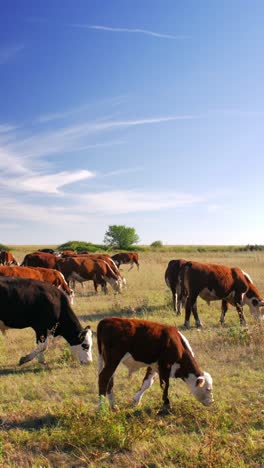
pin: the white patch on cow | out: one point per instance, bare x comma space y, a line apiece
176, 366
247, 276
146, 384
134, 365
116, 284
186, 343
83, 351
38, 352
254, 305
201, 387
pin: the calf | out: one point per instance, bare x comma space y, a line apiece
218, 282
126, 258
84, 269
48, 275
7, 258
160, 348
31, 303
172, 280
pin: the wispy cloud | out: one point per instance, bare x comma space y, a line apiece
8, 52
48, 183
131, 201
129, 30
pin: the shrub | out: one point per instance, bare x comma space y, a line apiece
156, 244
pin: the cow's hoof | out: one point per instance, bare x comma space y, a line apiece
165, 411
186, 325
22, 360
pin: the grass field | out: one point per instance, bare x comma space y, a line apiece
49, 416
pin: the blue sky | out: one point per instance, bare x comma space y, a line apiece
144, 113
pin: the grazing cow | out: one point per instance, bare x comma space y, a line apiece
173, 282
112, 265
68, 253
161, 348
31, 303
218, 282
84, 269
48, 275
7, 258
40, 259
51, 251
126, 258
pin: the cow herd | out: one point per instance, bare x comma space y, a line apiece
38, 294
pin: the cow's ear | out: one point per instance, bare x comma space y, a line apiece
200, 381
87, 327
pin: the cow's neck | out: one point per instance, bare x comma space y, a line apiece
70, 328
188, 366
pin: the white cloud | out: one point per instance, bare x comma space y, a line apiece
119, 202
129, 30
48, 183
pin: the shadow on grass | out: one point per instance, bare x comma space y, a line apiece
20, 370
128, 312
30, 424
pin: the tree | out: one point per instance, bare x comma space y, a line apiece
157, 243
121, 237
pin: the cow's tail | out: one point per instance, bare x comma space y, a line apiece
100, 350
181, 280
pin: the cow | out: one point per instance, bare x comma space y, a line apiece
218, 282
7, 258
161, 348
112, 265
68, 253
51, 251
126, 258
38, 305
84, 269
48, 275
40, 259
173, 282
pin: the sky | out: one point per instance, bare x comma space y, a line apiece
145, 113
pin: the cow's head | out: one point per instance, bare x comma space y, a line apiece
83, 350
201, 387
115, 283
254, 304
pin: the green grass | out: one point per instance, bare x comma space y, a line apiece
49, 416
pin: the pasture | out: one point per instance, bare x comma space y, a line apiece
49, 415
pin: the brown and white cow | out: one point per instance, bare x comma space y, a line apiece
7, 258
125, 258
161, 348
86, 269
172, 280
214, 282
40, 259
47, 275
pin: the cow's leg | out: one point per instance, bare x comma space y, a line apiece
106, 378
196, 316
42, 343
95, 286
239, 308
191, 299
224, 309
131, 265
164, 374
147, 382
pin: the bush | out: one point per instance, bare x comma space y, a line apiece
80, 246
156, 244
4, 247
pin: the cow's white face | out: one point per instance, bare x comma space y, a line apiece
83, 351
116, 284
254, 305
201, 387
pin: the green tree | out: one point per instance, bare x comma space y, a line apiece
121, 237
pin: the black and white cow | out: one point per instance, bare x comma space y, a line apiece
31, 303
162, 349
